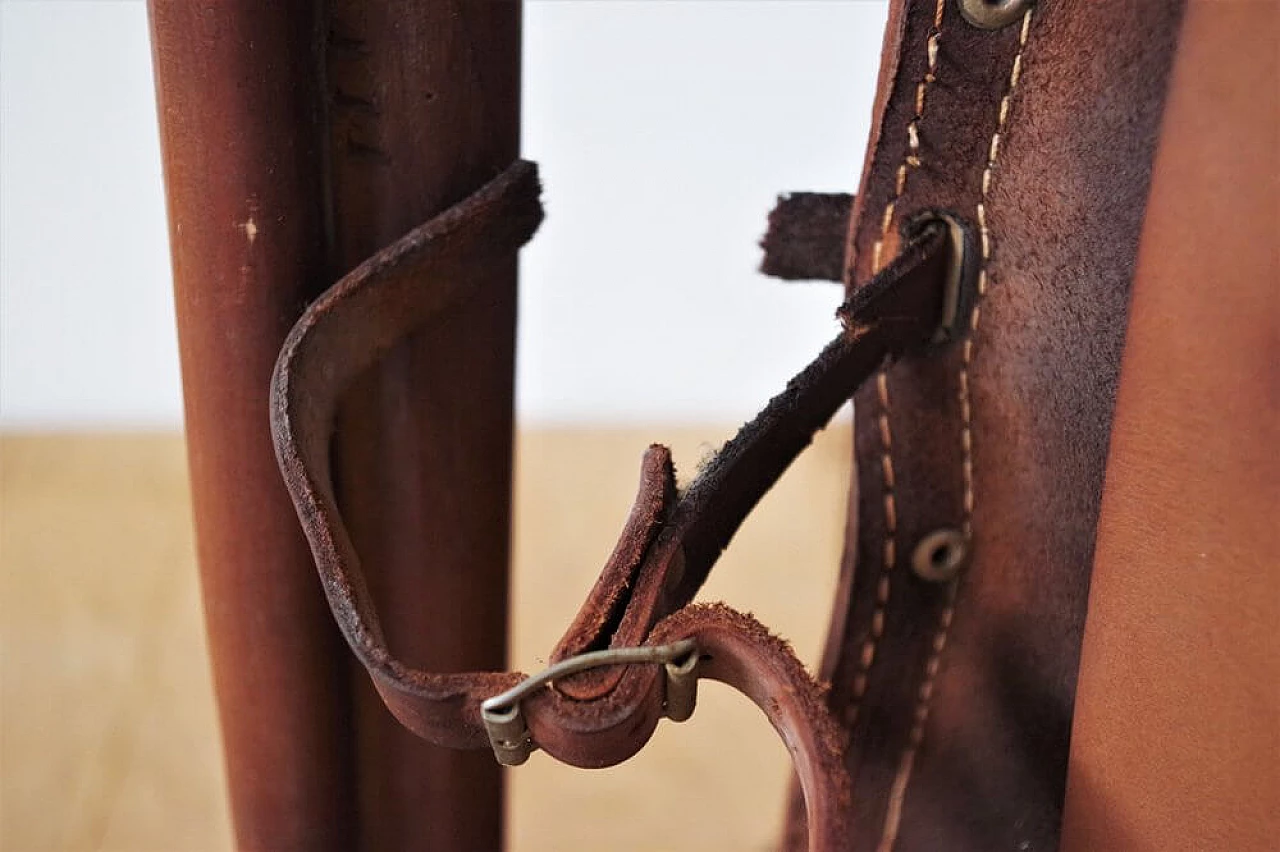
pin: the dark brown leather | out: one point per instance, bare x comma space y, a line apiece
669, 543
806, 236
1039, 137
1177, 729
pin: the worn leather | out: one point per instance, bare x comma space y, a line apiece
806, 236
1039, 137
1177, 728
669, 543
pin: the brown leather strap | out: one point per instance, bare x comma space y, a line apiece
669, 543
344, 331
806, 236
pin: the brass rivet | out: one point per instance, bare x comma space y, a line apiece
939, 555
993, 14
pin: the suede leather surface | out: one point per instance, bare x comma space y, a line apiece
805, 240
958, 695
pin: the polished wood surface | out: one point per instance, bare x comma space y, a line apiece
108, 735
238, 99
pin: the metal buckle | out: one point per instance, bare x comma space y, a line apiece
958, 297
508, 733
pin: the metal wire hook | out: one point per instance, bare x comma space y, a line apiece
508, 733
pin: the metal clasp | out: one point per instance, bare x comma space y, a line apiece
958, 295
508, 733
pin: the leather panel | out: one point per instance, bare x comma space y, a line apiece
1040, 137
1177, 727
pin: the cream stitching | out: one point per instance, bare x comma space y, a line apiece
889, 558
898, 792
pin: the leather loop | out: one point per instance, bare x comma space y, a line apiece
669, 544
339, 335
737, 650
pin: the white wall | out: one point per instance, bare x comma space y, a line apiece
663, 129
86, 316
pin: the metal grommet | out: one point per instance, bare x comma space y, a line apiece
993, 14
939, 555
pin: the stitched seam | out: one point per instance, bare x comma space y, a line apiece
867, 654
898, 792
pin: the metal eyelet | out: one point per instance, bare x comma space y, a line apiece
938, 556
993, 14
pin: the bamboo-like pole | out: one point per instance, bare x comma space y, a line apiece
239, 95
299, 137
424, 108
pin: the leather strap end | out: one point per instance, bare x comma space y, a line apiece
807, 235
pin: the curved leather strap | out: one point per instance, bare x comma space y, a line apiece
737, 650
669, 543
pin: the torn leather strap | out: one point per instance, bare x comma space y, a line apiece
807, 236
670, 541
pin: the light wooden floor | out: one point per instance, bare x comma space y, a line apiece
108, 738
